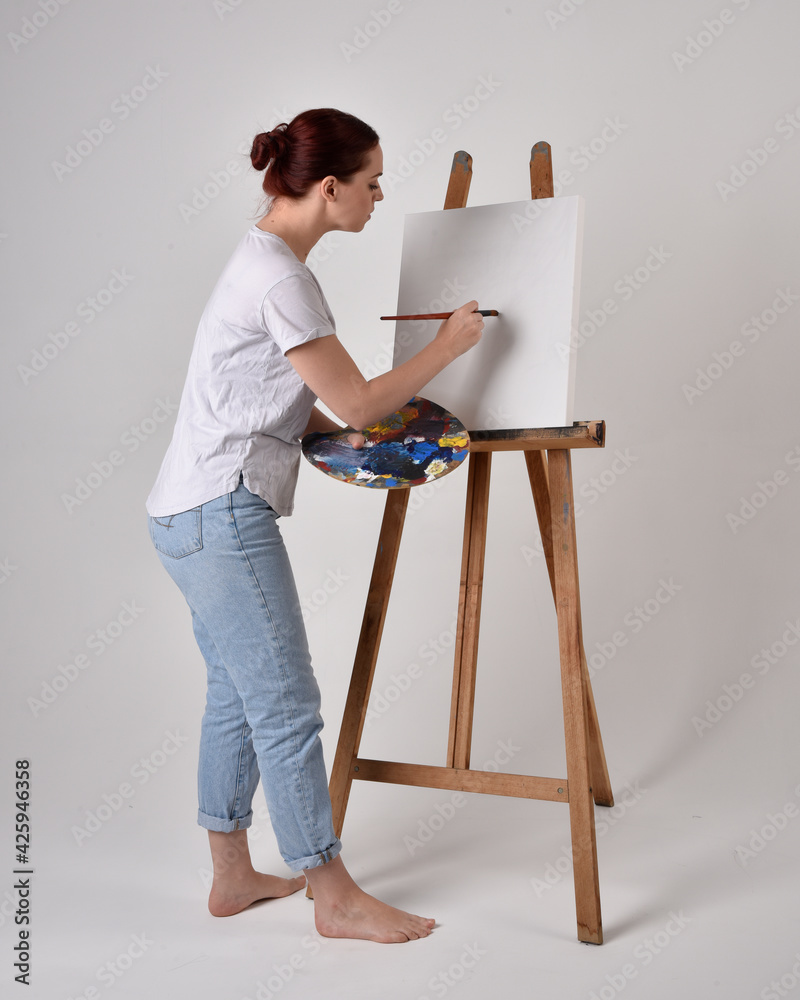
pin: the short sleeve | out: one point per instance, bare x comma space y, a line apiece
294, 311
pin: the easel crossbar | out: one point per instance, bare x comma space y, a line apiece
522, 786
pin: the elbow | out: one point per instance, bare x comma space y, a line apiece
359, 406
358, 417
359, 410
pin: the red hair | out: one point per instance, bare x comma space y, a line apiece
315, 144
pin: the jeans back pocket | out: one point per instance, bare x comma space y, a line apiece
178, 535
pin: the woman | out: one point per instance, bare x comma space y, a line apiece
266, 348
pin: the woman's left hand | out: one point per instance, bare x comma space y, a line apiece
356, 440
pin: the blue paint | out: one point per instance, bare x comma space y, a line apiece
420, 442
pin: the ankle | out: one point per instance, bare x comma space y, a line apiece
230, 855
330, 880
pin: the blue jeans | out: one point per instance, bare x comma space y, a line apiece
262, 713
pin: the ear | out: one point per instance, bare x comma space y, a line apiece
328, 188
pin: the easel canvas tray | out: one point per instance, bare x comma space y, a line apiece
524, 263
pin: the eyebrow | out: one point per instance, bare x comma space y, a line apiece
377, 175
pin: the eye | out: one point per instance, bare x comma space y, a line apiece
373, 187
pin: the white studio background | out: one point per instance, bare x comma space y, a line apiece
126, 187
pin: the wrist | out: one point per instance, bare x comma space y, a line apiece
441, 353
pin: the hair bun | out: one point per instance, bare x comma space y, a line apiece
268, 146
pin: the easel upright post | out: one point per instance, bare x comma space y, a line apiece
541, 170
462, 701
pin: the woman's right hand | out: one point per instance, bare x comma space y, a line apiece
462, 330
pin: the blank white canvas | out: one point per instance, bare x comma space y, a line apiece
523, 259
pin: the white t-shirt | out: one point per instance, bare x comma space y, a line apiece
244, 407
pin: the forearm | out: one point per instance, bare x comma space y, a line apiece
388, 392
326, 367
319, 422
331, 373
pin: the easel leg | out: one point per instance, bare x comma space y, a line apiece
603, 796
537, 473
366, 657
462, 703
573, 684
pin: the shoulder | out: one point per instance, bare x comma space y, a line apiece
272, 253
261, 263
264, 253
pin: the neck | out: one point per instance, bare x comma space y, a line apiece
298, 229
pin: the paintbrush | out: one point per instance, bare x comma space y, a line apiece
483, 312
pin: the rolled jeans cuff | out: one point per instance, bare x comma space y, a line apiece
224, 825
315, 860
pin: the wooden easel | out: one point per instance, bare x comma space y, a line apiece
548, 458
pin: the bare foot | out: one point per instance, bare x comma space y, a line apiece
342, 909
232, 894
236, 883
368, 918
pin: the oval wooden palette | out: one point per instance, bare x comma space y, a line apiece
418, 443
